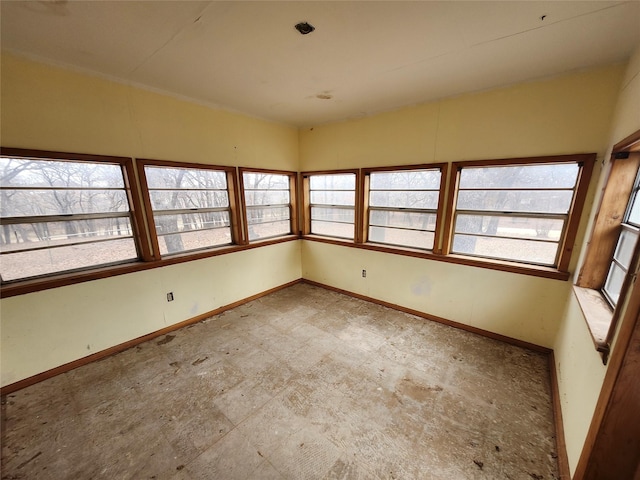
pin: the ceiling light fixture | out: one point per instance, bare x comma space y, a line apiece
304, 28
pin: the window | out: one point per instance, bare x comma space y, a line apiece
64, 214
332, 204
268, 206
519, 211
189, 207
623, 253
403, 206
605, 276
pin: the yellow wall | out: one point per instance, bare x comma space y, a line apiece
521, 307
49, 328
54, 109
579, 367
569, 114
49, 108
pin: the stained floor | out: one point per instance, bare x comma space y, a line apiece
304, 383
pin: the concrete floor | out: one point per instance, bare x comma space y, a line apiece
304, 383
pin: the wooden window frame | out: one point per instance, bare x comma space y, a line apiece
234, 203
439, 212
144, 235
293, 202
565, 247
130, 188
306, 207
601, 318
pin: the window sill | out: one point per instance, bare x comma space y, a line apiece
598, 315
511, 267
63, 279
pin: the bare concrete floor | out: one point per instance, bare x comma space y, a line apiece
304, 383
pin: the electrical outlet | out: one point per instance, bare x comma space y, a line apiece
364, 273
170, 297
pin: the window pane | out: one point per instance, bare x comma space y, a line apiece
190, 221
504, 226
26, 172
634, 213
29, 236
35, 193
266, 197
269, 229
194, 240
257, 215
263, 192
408, 199
194, 189
514, 212
613, 284
326, 191
187, 199
521, 176
543, 253
53, 260
548, 201
412, 220
345, 181
331, 229
265, 181
405, 180
23, 203
333, 197
344, 215
401, 237
626, 245
187, 178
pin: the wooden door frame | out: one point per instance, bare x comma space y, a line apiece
612, 446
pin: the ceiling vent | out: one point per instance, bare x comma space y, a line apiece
305, 28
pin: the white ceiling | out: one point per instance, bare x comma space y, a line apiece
367, 56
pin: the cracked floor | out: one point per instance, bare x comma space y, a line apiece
304, 383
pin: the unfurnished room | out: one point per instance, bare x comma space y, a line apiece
320, 240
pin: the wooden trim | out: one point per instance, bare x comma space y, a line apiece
141, 216
332, 172
46, 283
172, 163
450, 208
294, 204
50, 155
561, 444
442, 209
136, 207
136, 341
365, 181
288, 173
444, 321
306, 205
621, 375
237, 236
606, 226
503, 266
293, 198
306, 198
146, 200
243, 207
399, 168
565, 249
504, 162
361, 226
628, 144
